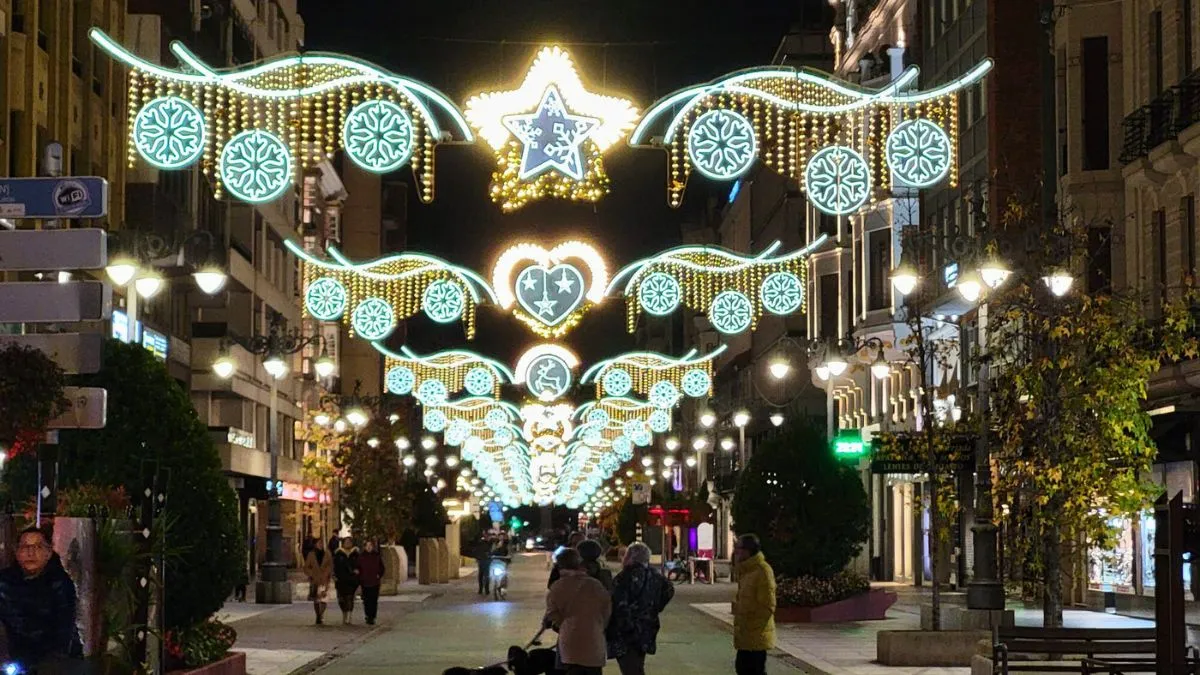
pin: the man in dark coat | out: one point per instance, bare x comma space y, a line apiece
639, 594
37, 605
482, 553
370, 575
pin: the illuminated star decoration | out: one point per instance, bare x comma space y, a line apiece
549, 134
551, 137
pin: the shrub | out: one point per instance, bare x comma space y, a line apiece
809, 591
809, 509
151, 422
202, 644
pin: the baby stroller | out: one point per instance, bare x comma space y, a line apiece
520, 661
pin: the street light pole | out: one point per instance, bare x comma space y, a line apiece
272, 587
985, 590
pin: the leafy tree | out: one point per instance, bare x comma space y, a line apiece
31, 394
1072, 438
151, 421
374, 490
809, 509
429, 516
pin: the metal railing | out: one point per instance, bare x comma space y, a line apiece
1162, 119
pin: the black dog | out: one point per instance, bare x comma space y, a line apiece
520, 662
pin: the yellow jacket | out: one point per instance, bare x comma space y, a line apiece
754, 609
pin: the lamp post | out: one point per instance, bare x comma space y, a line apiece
987, 273
139, 256
273, 587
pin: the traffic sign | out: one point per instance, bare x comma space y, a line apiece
40, 250
88, 409
640, 493
75, 353
50, 302
68, 197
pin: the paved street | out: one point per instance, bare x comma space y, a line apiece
462, 629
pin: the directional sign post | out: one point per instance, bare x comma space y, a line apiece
68, 197
88, 409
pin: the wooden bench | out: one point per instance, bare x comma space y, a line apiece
1087, 650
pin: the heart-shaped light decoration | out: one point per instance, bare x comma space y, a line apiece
550, 290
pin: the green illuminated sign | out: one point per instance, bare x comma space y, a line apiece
849, 444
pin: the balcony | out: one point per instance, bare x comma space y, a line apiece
1162, 120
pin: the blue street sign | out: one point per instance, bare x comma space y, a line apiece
68, 197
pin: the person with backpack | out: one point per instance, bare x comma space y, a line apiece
639, 594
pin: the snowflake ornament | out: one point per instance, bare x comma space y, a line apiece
256, 166
659, 293
731, 312
918, 151
443, 301
326, 299
169, 132
838, 180
721, 144
378, 136
373, 319
782, 293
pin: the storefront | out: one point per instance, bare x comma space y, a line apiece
1127, 569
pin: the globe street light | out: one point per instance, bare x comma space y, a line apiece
273, 586
777, 419
904, 278
672, 444
1059, 282
708, 419
780, 369
741, 418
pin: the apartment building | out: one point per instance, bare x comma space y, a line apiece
1138, 162
762, 207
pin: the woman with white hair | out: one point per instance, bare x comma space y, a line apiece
639, 594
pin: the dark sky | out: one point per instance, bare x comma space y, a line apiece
463, 47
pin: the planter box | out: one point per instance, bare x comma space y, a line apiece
947, 648
233, 664
870, 606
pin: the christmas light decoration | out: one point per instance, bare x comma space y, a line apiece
732, 289
641, 372
785, 117
304, 107
549, 294
545, 370
458, 369
365, 295
549, 134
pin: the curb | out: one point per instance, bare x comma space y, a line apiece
778, 654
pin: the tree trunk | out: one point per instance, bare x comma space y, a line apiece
1052, 593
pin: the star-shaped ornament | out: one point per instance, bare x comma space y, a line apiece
550, 133
546, 306
565, 284
551, 137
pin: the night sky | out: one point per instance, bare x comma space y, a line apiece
640, 49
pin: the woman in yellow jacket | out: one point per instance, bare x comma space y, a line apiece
754, 609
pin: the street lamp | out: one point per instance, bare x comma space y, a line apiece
969, 285
356, 416
904, 278
210, 279
403, 443
881, 368
273, 586
777, 419
148, 284
708, 419
779, 369
1059, 282
741, 418
699, 443
324, 366
994, 272
835, 363
428, 443
672, 444
727, 444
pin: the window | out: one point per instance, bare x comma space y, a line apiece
879, 246
829, 306
1187, 222
827, 224
929, 17
18, 19
1156, 53
1094, 53
1185, 33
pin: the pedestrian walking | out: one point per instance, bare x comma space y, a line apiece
482, 553
318, 567
370, 575
640, 593
574, 540
38, 605
345, 577
754, 609
591, 552
578, 607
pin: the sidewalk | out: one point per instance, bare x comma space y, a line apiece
832, 649
282, 639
